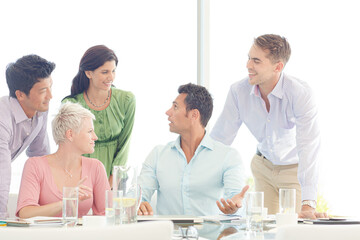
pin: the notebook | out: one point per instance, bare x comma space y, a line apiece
335, 221
173, 218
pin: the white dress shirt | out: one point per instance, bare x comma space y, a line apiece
287, 134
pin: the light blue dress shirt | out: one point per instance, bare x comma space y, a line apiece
215, 171
287, 134
17, 133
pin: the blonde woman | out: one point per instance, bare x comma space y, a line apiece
44, 177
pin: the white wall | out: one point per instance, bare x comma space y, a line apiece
324, 38
155, 41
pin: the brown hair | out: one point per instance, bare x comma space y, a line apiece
93, 58
278, 46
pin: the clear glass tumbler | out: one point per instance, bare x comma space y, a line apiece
254, 209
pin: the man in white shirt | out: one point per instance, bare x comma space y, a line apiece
280, 112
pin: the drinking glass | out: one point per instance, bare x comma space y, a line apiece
287, 206
70, 205
254, 208
287, 200
113, 207
125, 180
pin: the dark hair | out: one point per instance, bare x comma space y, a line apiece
93, 58
198, 98
25, 72
278, 46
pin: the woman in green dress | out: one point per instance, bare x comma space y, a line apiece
113, 108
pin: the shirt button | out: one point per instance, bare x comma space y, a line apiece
27, 134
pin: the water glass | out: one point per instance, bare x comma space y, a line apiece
287, 206
70, 205
287, 200
112, 207
125, 180
254, 209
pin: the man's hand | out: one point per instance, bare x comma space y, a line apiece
230, 206
309, 212
145, 209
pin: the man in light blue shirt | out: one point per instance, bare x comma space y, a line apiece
23, 118
194, 174
280, 112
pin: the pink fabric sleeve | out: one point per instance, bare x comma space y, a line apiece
30, 186
100, 186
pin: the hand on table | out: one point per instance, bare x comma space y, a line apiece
145, 209
309, 212
230, 206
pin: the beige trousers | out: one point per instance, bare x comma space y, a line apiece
269, 178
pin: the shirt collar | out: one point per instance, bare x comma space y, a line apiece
255, 91
206, 142
277, 91
17, 110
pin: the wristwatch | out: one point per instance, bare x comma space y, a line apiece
310, 203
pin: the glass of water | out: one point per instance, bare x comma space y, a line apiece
70, 205
287, 200
254, 208
125, 180
112, 207
287, 207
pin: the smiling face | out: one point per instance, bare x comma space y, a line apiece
85, 139
177, 115
38, 98
102, 77
261, 69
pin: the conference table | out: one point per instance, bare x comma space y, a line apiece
224, 230
206, 230
228, 231
301, 231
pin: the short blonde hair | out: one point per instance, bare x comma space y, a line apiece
70, 116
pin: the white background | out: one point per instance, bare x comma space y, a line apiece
155, 41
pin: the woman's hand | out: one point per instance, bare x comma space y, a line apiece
85, 192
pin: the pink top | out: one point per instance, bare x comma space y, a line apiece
38, 187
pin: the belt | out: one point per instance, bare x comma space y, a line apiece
260, 154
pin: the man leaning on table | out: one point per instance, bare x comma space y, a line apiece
280, 112
23, 118
193, 175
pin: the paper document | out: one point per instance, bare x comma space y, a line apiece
221, 218
174, 218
